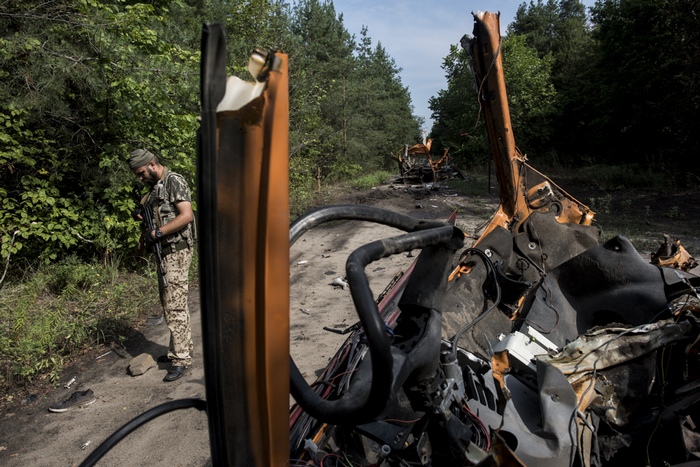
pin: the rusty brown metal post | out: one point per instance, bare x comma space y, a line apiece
486, 50
244, 261
272, 312
523, 190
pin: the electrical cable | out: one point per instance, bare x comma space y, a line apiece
479, 92
662, 384
492, 268
136, 422
594, 372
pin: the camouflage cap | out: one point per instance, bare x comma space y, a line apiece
139, 158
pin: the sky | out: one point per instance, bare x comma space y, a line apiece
417, 34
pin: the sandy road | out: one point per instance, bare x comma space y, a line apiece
30, 435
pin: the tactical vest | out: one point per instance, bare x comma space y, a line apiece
161, 199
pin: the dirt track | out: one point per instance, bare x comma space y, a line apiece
31, 435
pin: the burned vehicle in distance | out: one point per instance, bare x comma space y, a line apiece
416, 164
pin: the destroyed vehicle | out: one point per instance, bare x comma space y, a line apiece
416, 165
536, 345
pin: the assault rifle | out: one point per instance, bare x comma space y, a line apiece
148, 224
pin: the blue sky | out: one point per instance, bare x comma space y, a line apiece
418, 34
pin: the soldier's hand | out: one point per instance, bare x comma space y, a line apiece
136, 214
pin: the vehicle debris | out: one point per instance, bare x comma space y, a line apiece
416, 165
339, 282
546, 347
671, 254
103, 355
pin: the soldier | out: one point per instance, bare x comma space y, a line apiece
170, 203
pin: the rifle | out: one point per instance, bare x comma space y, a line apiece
149, 225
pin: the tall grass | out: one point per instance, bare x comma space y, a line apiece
61, 310
371, 180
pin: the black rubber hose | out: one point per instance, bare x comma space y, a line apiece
136, 422
361, 405
319, 216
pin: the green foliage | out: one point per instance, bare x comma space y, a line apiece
301, 187
558, 32
35, 217
344, 171
675, 212
601, 204
371, 180
474, 184
63, 309
348, 106
599, 87
459, 124
648, 105
319, 66
83, 83
538, 23
620, 177
531, 97
78, 94
531, 94
380, 116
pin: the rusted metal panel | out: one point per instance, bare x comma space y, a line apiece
673, 255
244, 258
485, 51
516, 178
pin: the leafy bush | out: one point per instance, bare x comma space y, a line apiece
70, 278
344, 171
301, 188
65, 188
64, 309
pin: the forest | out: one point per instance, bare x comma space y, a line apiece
84, 82
617, 84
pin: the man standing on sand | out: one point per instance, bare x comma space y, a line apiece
170, 203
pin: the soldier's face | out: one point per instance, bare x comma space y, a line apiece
146, 174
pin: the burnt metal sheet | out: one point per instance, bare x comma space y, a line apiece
613, 345
244, 247
672, 254
609, 283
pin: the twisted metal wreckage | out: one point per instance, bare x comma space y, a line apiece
416, 165
536, 345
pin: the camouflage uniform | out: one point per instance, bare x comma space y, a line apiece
177, 256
